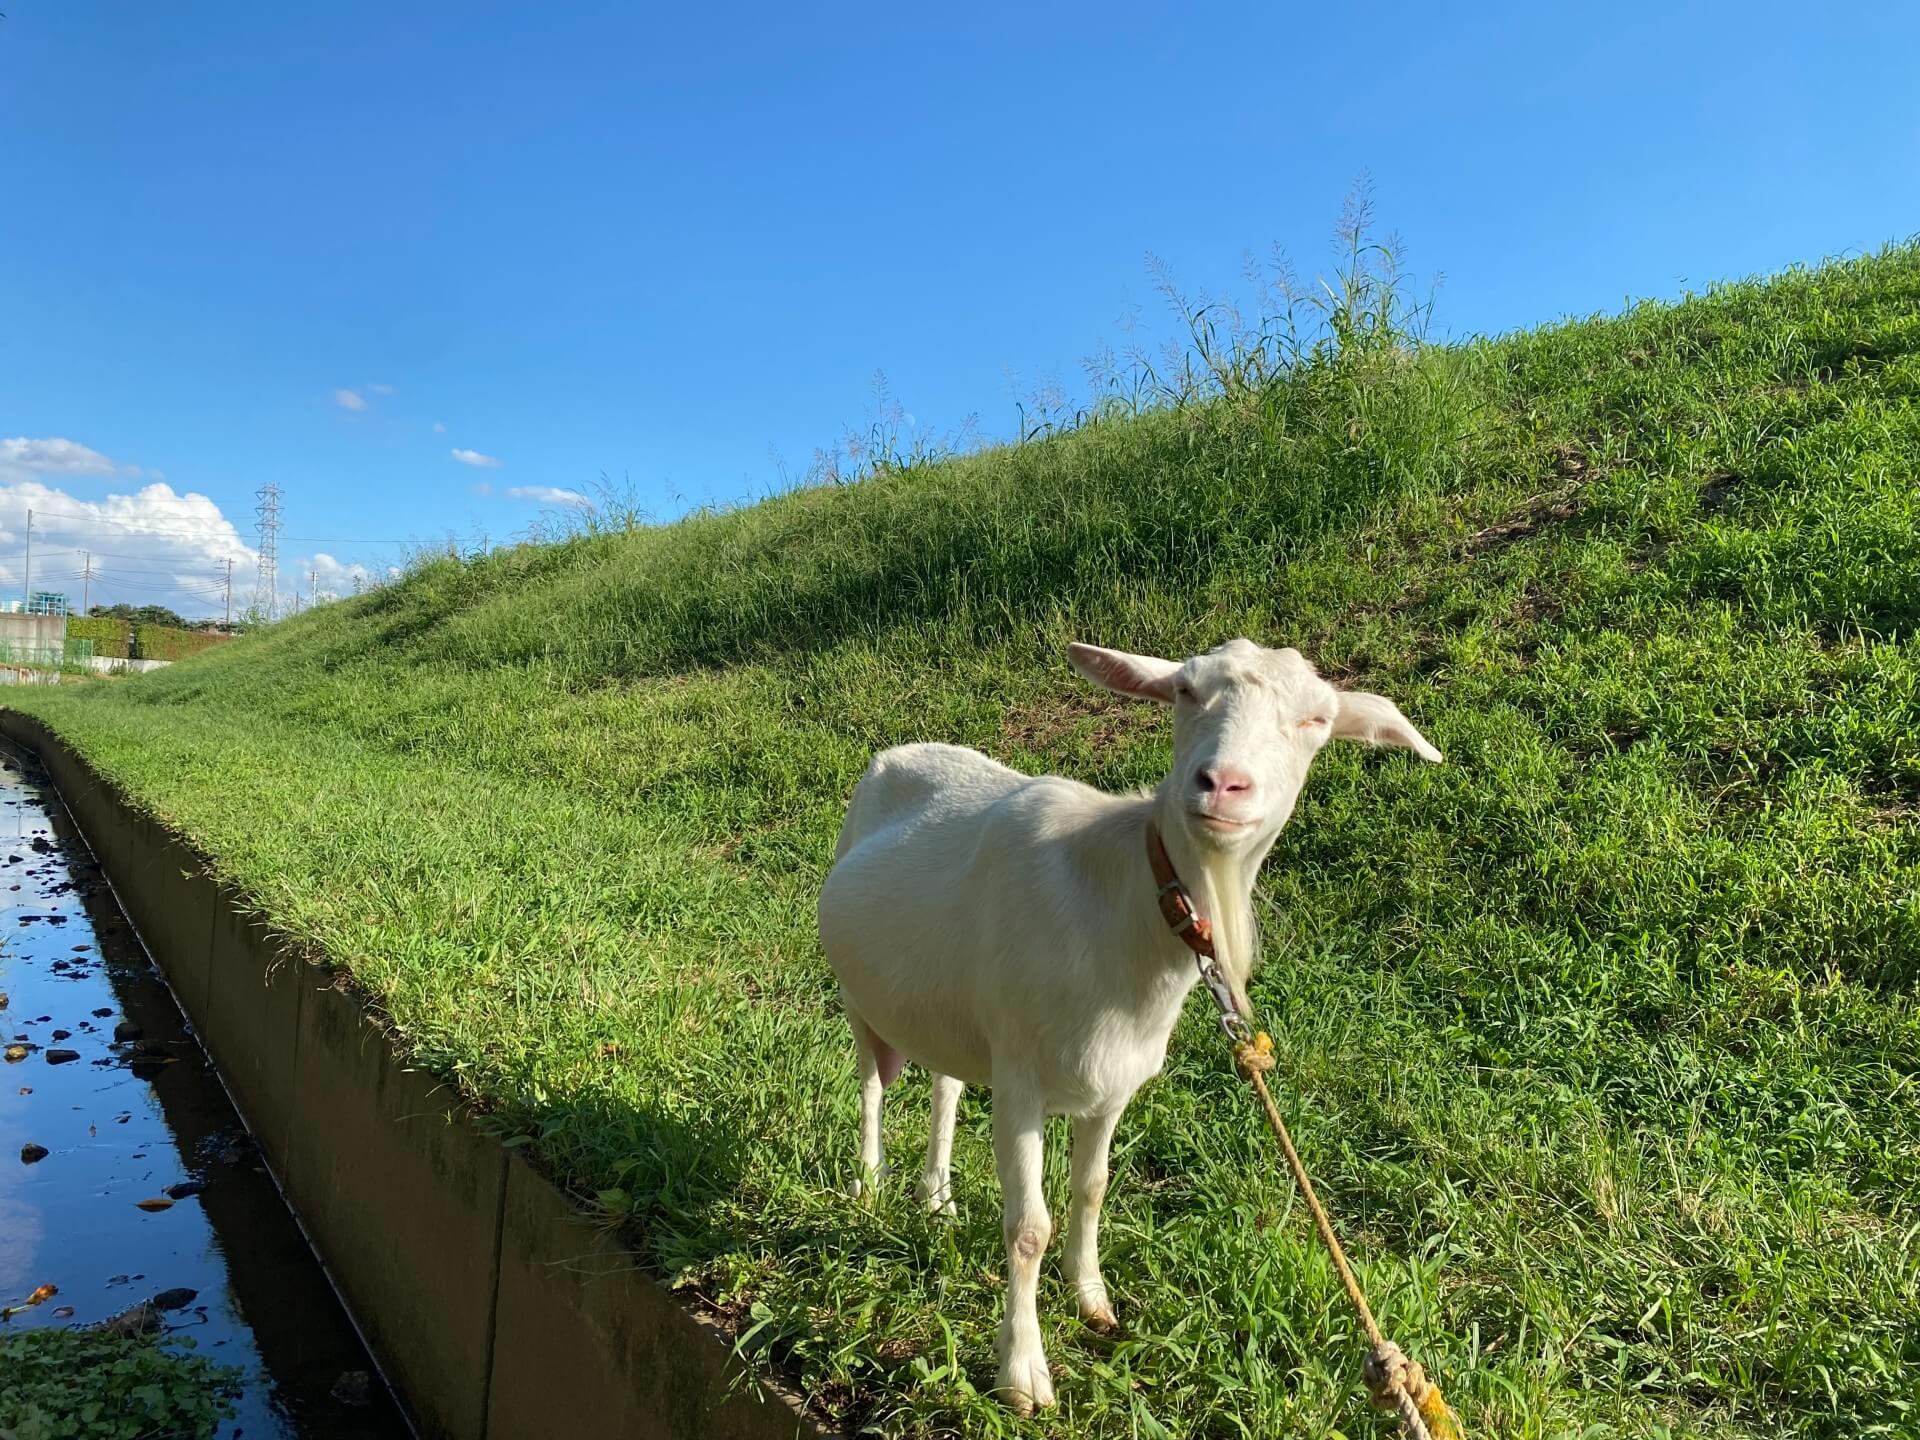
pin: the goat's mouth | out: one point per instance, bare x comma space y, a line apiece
1221, 824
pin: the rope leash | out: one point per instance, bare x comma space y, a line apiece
1393, 1381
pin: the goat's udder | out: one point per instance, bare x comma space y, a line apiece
890, 1060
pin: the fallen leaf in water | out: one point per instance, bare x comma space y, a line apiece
32, 1154
61, 1057
16, 1052
63, 1313
183, 1190
43, 1293
26, 1089
158, 1202
177, 1299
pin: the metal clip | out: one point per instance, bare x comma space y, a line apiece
1232, 1024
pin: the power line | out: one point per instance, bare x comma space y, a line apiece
142, 526
229, 533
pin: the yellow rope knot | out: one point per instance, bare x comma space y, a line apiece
1389, 1374
1254, 1057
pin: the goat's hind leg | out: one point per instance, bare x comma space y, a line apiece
877, 1059
936, 1181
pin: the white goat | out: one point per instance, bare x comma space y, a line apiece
1004, 930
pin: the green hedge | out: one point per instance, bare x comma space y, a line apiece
166, 642
109, 636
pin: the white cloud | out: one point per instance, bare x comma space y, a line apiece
474, 457
322, 577
349, 399
380, 389
548, 495
438, 428
55, 456
152, 546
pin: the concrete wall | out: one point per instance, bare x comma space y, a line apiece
495, 1309
33, 638
119, 665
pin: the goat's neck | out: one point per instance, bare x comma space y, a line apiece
1220, 881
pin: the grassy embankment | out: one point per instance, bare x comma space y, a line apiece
1601, 1037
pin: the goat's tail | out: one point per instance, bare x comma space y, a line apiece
887, 789
853, 828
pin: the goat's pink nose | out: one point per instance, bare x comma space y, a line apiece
1223, 780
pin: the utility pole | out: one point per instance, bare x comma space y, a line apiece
26, 596
313, 587
86, 580
267, 585
227, 624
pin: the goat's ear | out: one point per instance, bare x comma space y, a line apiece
1376, 720
1142, 676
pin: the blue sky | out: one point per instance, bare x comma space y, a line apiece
330, 246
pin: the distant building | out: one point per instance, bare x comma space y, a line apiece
42, 602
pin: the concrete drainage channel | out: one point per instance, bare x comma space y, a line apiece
138, 1199
491, 1306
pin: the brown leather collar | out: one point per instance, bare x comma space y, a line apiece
1176, 905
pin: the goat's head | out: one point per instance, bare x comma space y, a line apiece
1247, 722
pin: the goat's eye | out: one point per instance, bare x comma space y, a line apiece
1183, 691
1313, 720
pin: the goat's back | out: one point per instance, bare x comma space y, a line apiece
917, 783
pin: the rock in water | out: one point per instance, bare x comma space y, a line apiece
31, 1153
354, 1387
141, 1319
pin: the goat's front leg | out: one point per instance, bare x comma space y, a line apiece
936, 1181
1092, 1135
1019, 1119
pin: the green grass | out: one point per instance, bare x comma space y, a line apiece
1601, 1038
86, 1385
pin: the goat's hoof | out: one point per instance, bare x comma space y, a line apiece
1026, 1384
936, 1196
1100, 1317
868, 1182
1096, 1309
